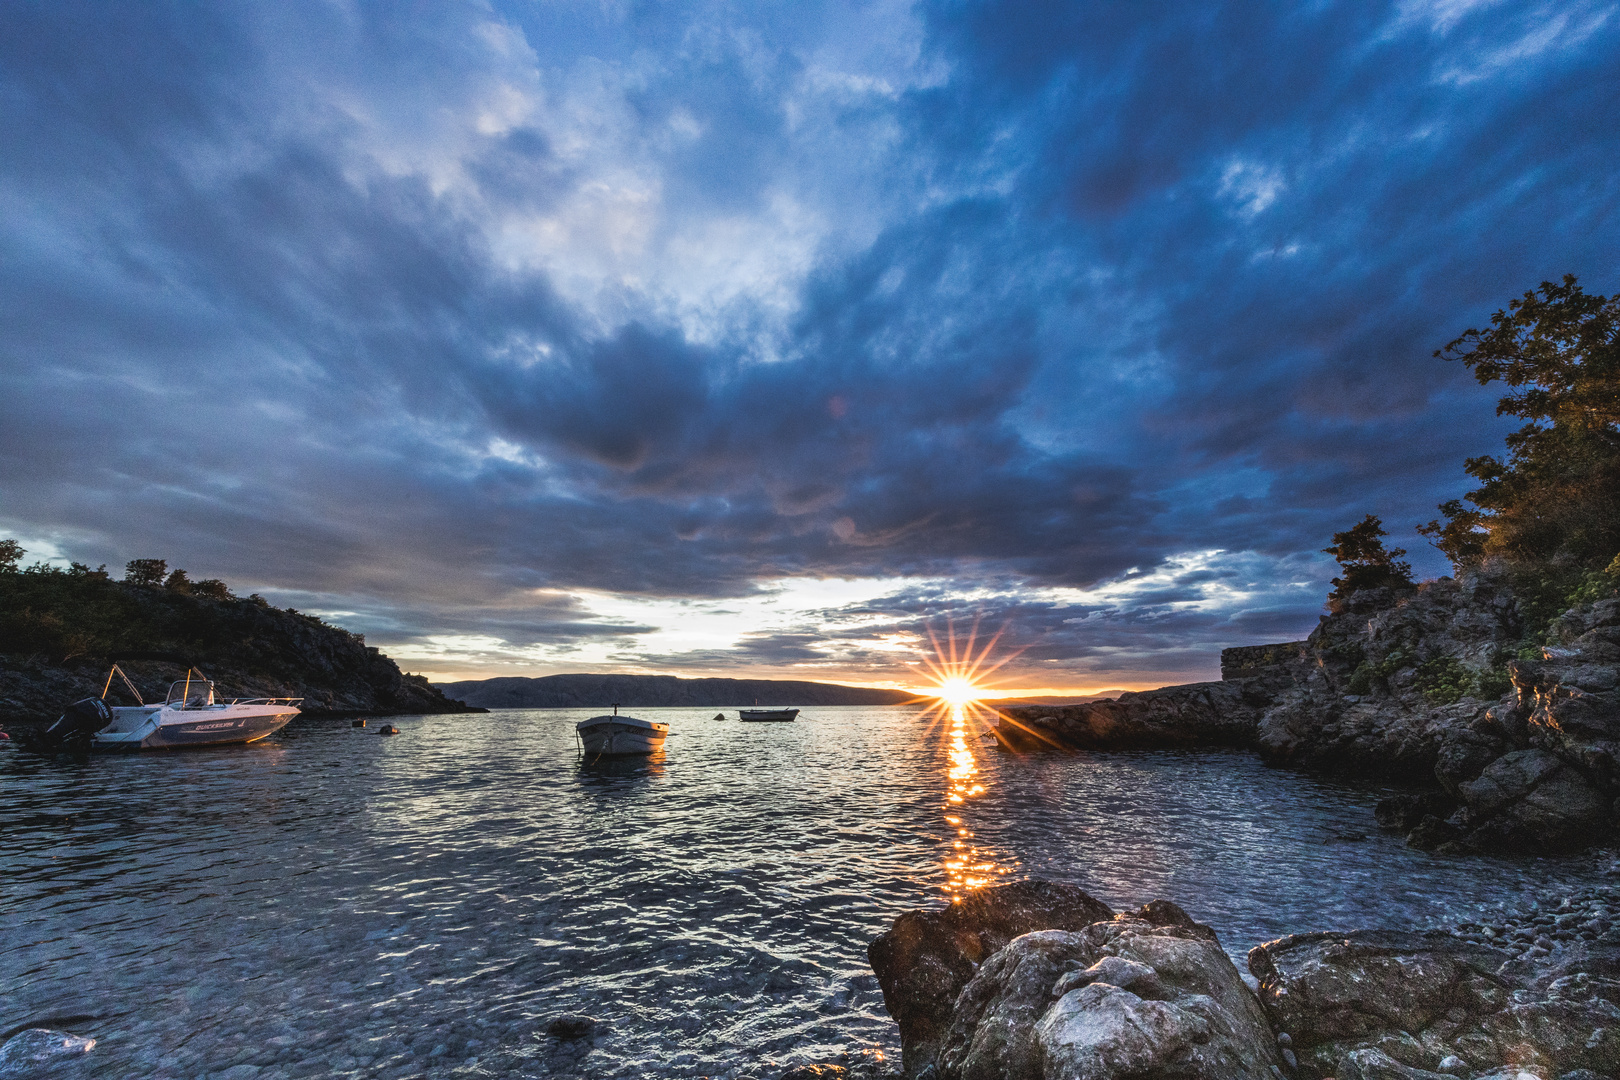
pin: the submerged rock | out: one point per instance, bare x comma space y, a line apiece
571, 1026
28, 1052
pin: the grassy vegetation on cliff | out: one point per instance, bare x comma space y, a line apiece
59, 615
58, 626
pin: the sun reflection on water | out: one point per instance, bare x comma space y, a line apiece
956, 711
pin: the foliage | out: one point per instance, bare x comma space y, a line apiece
213, 588
1445, 680
1554, 496
1365, 562
145, 571
11, 554
62, 614
1493, 683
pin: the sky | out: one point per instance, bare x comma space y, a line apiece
769, 340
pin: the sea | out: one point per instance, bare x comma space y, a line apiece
337, 903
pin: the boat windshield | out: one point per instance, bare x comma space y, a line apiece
191, 693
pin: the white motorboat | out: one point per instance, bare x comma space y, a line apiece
620, 735
761, 715
190, 716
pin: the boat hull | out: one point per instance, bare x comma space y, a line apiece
767, 716
611, 738
172, 729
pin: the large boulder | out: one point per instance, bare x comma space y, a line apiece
1530, 801
1129, 997
927, 957
1388, 1004
1149, 994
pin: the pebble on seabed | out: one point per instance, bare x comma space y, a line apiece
1541, 928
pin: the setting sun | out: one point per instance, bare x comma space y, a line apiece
957, 691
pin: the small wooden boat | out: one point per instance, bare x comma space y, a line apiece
620, 735
767, 715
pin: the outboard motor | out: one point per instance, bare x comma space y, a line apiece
72, 733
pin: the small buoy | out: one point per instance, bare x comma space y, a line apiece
357, 723
719, 716
388, 729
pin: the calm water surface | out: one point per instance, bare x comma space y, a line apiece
331, 902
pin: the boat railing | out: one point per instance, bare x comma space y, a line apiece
266, 701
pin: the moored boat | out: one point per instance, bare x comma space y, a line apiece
764, 715
189, 716
620, 735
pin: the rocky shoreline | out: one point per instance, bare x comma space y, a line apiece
1514, 747
1039, 981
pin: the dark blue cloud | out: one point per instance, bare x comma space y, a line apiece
439, 315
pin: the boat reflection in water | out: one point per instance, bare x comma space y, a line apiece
609, 768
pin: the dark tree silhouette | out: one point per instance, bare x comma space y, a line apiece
146, 571
1558, 493
1365, 561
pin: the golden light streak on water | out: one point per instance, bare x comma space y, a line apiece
959, 669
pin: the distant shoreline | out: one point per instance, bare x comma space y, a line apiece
589, 690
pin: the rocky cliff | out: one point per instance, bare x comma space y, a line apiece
61, 633
1438, 685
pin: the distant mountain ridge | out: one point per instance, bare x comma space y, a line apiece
647, 691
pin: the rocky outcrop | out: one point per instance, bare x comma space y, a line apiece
1199, 714
1423, 686
1151, 994
1146, 993
927, 957
1374, 1003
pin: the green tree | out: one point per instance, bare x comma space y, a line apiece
11, 554
178, 582
1558, 493
1365, 561
213, 588
146, 571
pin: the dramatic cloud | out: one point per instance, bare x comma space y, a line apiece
541, 336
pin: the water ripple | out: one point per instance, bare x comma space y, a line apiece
333, 903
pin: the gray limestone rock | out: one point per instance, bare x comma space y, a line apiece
1184, 1011
1532, 800
1400, 1005
925, 959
